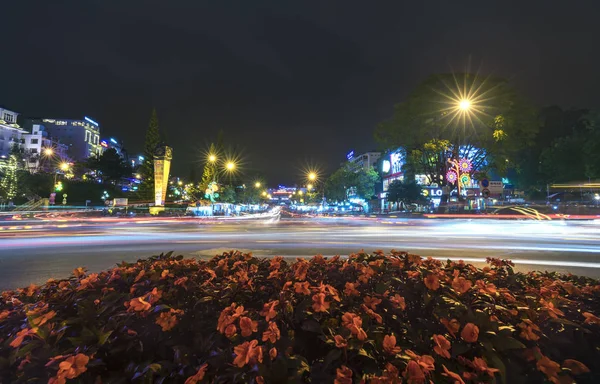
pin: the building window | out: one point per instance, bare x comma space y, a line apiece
8, 118
34, 141
33, 150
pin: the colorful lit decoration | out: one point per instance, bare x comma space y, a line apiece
451, 177
211, 191
465, 165
464, 179
162, 166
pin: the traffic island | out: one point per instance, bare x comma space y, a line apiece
376, 318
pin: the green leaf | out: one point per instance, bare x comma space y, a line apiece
506, 343
103, 337
332, 356
495, 362
312, 326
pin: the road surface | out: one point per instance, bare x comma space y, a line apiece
32, 252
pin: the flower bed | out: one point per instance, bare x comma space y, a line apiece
369, 318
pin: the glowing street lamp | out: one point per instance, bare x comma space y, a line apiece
64, 166
230, 166
464, 105
264, 193
212, 158
309, 186
312, 176
48, 152
257, 184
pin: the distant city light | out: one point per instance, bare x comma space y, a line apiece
64, 166
386, 165
212, 158
104, 144
230, 165
350, 155
113, 141
312, 176
91, 121
257, 184
141, 158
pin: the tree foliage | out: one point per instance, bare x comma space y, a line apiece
110, 166
401, 192
431, 128
146, 170
350, 181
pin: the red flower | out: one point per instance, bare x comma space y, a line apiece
198, 376
372, 302
442, 346
154, 296
168, 320
527, 328
350, 289
413, 373
576, 367
273, 353
456, 377
461, 285
21, 335
4, 315
372, 314
470, 333
488, 288
481, 366
398, 301
319, 303
139, 304
302, 288
451, 325
551, 309
590, 318
432, 282
549, 368
389, 345
272, 333
343, 375
247, 352
181, 282
340, 342
230, 331
301, 270
269, 310
248, 326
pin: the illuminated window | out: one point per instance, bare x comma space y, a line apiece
9, 118
34, 141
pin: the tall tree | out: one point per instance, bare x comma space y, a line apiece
152, 141
460, 115
110, 166
407, 193
8, 178
351, 182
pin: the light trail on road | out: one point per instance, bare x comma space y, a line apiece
29, 254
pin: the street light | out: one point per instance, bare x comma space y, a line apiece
264, 193
230, 166
312, 176
464, 105
212, 158
257, 184
309, 186
64, 166
48, 151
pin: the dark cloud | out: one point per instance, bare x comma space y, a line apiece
290, 83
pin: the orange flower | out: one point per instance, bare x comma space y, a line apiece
272, 333
470, 333
181, 282
230, 331
78, 272
415, 259
576, 367
455, 376
21, 335
372, 314
198, 376
451, 325
343, 375
427, 363
301, 270
139, 276
302, 288
4, 314
442, 345
413, 373
269, 310
319, 303
372, 302
260, 380
168, 320
164, 274
351, 290
389, 345
247, 352
87, 282
41, 320
139, 304
549, 368
461, 285
248, 326
398, 301
351, 321
527, 328
553, 312
481, 366
432, 282
590, 318
73, 366
154, 296
488, 288
340, 342
361, 334
273, 353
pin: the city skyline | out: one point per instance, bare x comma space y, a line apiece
288, 84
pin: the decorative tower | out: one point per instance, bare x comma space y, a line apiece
162, 166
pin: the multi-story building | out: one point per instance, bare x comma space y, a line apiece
364, 161
10, 132
42, 152
82, 137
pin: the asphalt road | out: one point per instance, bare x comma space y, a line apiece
32, 252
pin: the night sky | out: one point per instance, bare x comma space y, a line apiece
289, 84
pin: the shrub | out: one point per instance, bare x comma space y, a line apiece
239, 319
